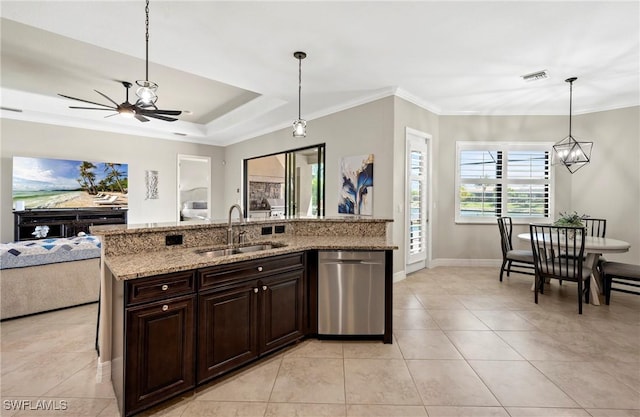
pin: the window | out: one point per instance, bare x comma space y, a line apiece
496, 179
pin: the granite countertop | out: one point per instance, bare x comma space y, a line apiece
119, 229
146, 264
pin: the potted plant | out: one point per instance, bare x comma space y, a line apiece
569, 219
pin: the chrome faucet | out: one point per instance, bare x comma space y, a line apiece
230, 226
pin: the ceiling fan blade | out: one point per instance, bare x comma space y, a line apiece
84, 101
92, 108
111, 115
167, 112
157, 116
141, 118
107, 97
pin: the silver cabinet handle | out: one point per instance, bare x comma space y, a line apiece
259, 269
165, 307
264, 288
165, 287
255, 290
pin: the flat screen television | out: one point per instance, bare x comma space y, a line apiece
44, 183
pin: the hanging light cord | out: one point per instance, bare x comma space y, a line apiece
146, 11
299, 86
570, 103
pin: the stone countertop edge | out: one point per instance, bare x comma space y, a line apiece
120, 229
126, 267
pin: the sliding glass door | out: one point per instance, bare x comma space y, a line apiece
289, 183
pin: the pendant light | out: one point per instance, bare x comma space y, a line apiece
569, 152
300, 125
146, 91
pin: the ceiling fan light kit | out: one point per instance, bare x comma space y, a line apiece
145, 106
146, 91
570, 152
300, 125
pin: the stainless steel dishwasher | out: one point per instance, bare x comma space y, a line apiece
351, 293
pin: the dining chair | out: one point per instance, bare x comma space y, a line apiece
516, 260
620, 273
547, 240
595, 227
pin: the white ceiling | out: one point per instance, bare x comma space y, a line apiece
231, 65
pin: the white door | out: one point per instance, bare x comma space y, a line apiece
417, 234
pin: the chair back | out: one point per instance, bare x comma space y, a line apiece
506, 228
595, 227
547, 242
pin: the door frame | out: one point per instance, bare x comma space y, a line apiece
412, 135
194, 158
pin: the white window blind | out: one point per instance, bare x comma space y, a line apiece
496, 179
416, 201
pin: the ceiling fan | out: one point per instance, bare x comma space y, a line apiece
145, 106
139, 110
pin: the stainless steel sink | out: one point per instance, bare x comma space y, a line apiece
216, 252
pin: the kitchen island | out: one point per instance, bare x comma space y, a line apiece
182, 304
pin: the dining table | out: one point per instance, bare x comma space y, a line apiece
594, 247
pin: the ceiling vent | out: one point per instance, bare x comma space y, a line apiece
535, 76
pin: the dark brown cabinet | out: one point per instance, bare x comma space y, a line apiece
261, 310
153, 339
282, 310
159, 351
174, 331
226, 330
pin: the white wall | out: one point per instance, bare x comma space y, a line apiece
409, 115
360, 130
608, 187
20, 138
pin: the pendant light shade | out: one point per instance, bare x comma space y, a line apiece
570, 152
146, 91
300, 125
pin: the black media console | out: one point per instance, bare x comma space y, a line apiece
64, 222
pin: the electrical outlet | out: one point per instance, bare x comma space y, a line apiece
171, 240
267, 230
279, 228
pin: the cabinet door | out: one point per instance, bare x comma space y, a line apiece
227, 329
282, 298
160, 352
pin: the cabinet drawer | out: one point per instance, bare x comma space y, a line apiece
159, 287
224, 274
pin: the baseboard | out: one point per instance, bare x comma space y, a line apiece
399, 276
491, 263
103, 371
465, 262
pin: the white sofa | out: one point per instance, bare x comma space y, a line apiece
48, 274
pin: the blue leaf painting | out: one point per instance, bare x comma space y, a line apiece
356, 193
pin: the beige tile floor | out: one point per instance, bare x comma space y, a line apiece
464, 345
